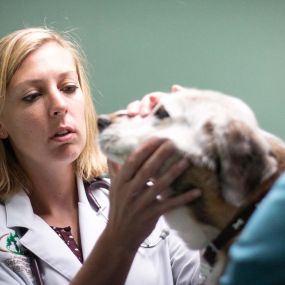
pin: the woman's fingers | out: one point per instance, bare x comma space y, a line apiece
157, 162
149, 101
133, 108
145, 160
173, 202
177, 88
150, 163
145, 105
161, 185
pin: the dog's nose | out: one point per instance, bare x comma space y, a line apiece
103, 122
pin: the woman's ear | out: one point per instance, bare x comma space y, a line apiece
3, 132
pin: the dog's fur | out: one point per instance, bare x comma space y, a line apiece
231, 159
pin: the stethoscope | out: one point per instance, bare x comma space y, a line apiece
97, 184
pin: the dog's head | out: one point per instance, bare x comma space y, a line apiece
228, 154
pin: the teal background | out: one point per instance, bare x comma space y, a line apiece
139, 46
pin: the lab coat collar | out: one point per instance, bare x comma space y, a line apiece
92, 222
56, 253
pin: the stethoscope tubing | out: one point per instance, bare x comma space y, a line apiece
95, 185
36, 272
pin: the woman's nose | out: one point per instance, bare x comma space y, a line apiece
58, 105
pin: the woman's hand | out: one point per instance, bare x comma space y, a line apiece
134, 207
144, 106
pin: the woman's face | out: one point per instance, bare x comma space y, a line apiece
43, 115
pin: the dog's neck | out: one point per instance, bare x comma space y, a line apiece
220, 245
229, 233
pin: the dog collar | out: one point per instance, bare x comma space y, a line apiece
229, 232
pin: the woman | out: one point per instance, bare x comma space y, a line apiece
49, 159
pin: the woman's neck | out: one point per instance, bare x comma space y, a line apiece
54, 194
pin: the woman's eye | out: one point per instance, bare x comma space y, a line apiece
69, 89
31, 97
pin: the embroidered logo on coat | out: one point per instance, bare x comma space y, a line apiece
17, 258
9, 242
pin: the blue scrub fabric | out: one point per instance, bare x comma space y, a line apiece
258, 257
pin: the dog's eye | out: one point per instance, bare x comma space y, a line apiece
161, 113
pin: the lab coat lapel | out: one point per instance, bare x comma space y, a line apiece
91, 223
39, 237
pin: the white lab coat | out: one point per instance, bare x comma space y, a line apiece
169, 262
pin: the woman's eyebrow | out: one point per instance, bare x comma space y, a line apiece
69, 73
36, 81
24, 83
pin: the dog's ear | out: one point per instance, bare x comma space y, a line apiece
244, 160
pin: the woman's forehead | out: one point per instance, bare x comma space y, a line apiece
50, 59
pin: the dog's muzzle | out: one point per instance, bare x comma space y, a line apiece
103, 121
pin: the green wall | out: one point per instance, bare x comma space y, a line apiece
138, 46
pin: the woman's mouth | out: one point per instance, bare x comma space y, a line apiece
63, 135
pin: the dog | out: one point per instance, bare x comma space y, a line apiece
231, 160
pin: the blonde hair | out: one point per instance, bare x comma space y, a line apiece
14, 48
